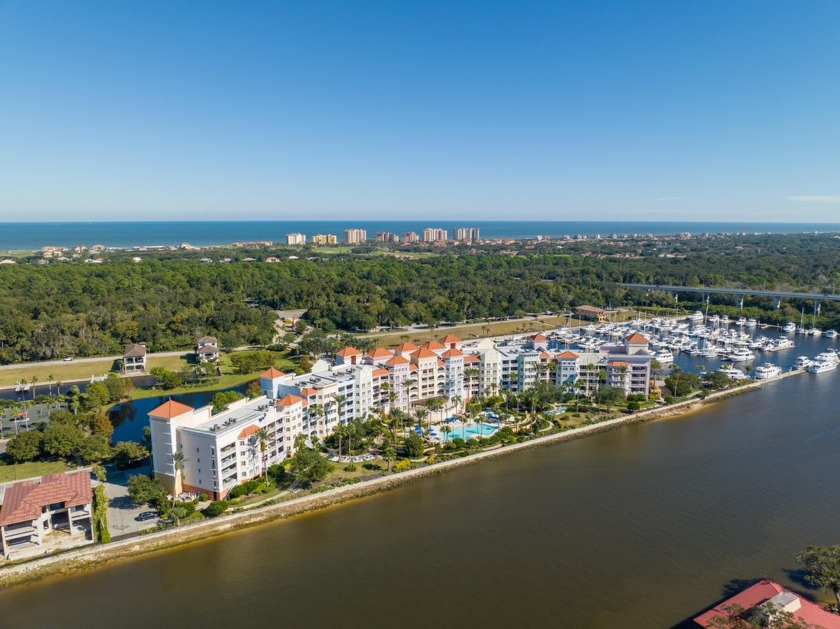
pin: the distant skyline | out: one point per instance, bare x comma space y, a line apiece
615, 111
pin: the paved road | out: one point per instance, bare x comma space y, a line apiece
122, 513
445, 329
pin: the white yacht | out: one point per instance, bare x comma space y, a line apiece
790, 327
819, 366
767, 370
815, 332
664, 356
714, 319
724, 320
802, 362
696, 317
751, 323
735, 374
742, 321
740, 355
831, 334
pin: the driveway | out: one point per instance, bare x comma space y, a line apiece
122, 513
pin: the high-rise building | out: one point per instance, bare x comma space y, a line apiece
434, 234
410, 237
295, 239
386, 237
324, 239
467, 234
354, 236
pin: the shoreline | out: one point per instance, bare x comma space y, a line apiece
91, 557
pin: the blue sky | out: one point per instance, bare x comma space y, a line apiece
671, 110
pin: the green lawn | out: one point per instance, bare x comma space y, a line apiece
11, 472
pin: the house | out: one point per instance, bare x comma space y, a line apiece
134, 357
591, 312
207, 349
758, 598
55, 502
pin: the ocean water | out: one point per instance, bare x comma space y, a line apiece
29, 236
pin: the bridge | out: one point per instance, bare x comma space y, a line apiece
739, 293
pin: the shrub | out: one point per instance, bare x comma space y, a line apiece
372, 466
216, 508
633, 406
203, 497
350, 467
402, 465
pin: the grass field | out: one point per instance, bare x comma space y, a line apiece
12, 472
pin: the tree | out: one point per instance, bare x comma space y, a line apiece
309, 466
414, 446
717, 380
261, 435
221, 400
421, 413
26, 446
99, 473
216, 508
609, 396
62, 440
100, 514
761, 617
315, 411
446, 429
143, 489
178, 464
97, 395
94, 448
128, 452
822, 567
101, 425
681, 383
388, 454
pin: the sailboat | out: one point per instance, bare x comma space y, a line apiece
801, 329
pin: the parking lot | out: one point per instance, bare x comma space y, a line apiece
122, 514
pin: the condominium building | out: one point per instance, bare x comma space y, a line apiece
354, 236
386, 237
410, 237
467, 234
296, 239
434, 234
324, 239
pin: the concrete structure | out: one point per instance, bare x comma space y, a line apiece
354, 236
207, 349
223, 450
410, 237
591, 312
134, 357
386, 237
324, 239
435, 234
55, 502
467, 234
296, 239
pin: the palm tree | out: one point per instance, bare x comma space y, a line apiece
261, 434
316, 411
178, 461
50, 379
421, 414
339, 431
339, 401
34, 382
408, 383
457, 399
446, 429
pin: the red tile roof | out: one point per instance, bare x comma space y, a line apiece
397, 360
248, 431
289, 400
567, 356
271, 373
472, 358
307, 391
450, 338
378, 373
452, 353
637, 338
539, 336
412, 367
23, 501
544, 355
619, 363
424, 352
762, 592
171, 409
406, 347
379, 352
348, 351
434, 345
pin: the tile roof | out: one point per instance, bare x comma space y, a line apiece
134, 350
397, 360
472, 358
636, 338
209, 349
762, 592
206, 339
307, 391
568, 356
248, 431
348, 351
379, 352
452, 353
619, 363
171, 409
23, 500
271, 373
406, 347
289, 400
378, 373
434, 345
424, 352
450, 338
539, 336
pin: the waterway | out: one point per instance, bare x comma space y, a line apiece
637, 528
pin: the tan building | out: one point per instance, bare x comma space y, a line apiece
354, 236
467, 234
435, 234
134, 357
324, 239
410, 237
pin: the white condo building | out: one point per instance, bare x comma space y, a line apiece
296, 239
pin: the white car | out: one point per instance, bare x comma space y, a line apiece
68, 359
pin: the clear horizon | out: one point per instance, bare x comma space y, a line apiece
318, 111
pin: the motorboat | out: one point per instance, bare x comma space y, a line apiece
789, 328
814, 331
831, 334
741, 355
820, 366
664, 356
696, 317
802, 362
735, 374
751, 323
767, 370
742, 321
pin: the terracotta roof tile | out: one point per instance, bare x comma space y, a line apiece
23, 501
347, 352
378, 373
406, 347
450, 338
636, 338
271, 373
568, 356
380, 352
171, 409
434, 345
397, 360
248, 431
452, 353
289, 400
424, 352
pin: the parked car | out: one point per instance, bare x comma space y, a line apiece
146, 515
68, 359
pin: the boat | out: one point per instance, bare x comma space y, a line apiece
664, 356
767, 370
820, 366
714, 319
724, 320
789, 328
751, 323
696, 317
802, 362
831, 334
740, 355
814, 331
735, 374
742, 321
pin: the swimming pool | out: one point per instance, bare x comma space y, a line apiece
468, 431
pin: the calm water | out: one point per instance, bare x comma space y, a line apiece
637, 528
28, 236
